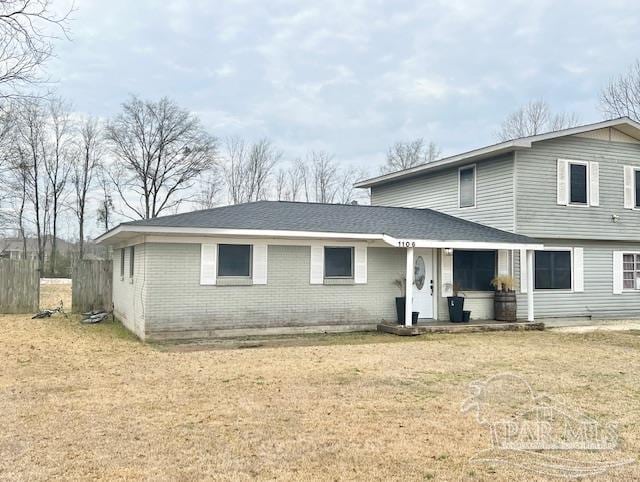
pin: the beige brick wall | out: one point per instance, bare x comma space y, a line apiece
175, 299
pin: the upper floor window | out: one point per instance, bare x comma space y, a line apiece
578, 190
467, 187
234, 260
338, 262
122, 263
578, 183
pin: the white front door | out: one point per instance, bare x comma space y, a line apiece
423, 282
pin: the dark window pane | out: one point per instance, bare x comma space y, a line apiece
553, 270
234, 260
578, 183
122, 263
337, 262
132, 258
637, 173
474, 270
467, 187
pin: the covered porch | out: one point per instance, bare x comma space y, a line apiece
428, 285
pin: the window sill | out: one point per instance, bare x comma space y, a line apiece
338, 281
477, 295
130, 281
234, 281
121, 278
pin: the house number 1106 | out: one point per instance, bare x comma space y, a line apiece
407, 244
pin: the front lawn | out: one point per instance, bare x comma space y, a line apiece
81, 402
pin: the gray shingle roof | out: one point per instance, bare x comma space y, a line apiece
402, 223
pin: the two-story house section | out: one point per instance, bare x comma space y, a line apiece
577, 191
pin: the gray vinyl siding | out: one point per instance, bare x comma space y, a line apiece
439, 190
176, 302
597, 300
537, 211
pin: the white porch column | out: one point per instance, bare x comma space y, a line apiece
408, 308
530, 314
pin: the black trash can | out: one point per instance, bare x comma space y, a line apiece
466, 316
456, 308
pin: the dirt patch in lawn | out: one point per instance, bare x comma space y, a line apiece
81, 402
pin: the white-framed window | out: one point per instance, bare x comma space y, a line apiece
578, 183
234, 260
122, 263
554, 269
632, 187
631, 271
132, 257
473, 270
338, 261
467, 186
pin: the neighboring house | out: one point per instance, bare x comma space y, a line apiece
273, 267
577, 191
13, 248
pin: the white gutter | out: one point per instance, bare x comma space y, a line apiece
263, 233
429, 243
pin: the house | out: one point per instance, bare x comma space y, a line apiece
271, 267
577, 191
557, 211
14, 248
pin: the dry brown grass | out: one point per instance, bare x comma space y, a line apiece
51, 294
80, 402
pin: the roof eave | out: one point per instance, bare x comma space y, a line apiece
623, 124
467, 157
125, 232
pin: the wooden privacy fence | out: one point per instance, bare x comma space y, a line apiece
19, 286
91, 285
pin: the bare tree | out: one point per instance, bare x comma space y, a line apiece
324, 176
407, 154
57, 165
88, 155
282, 192
534, 118
105, 206
249, 168
621, 97
346, 193
31, 138
211, 188
26, 41
160, 151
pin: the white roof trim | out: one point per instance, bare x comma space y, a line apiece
624, 124
111, 237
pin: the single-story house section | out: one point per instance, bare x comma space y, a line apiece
270, 267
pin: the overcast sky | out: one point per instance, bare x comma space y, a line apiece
350, 77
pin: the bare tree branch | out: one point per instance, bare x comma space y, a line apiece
406, 154
621, 97
160, 151
534, 118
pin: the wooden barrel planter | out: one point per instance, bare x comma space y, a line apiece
505, 308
